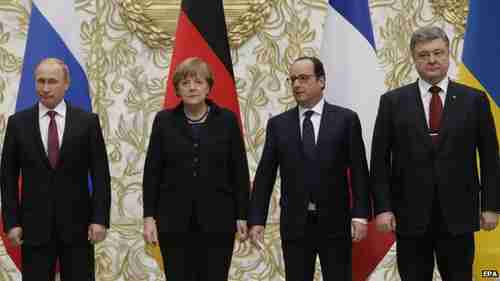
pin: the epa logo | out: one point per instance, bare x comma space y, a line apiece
489, 273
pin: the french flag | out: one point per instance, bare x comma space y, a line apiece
356, 81
53, 32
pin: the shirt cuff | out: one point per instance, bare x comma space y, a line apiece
360, 220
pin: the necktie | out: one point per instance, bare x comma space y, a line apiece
435, 113
308, 141
53, 140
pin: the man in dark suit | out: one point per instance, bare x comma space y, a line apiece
56, 216
426, 185
314, 145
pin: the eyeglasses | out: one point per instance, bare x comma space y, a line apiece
426, 56
301, 77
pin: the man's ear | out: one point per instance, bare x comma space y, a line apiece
322, 80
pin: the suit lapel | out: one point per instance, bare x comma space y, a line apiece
294, 121
328, 122
69, 127
417, 109
38, 136
210, 128
180, 123
449, 112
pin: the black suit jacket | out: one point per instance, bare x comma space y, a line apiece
55, 199
217, 193
340, 147
408, 171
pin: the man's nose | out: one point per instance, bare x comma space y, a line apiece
432, 58
295, 83
46, 86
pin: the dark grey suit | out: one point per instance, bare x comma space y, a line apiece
434, 190
339, 147
56, 206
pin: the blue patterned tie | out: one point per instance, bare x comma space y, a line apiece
308, 141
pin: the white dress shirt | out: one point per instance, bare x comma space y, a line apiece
315, 117
44, 120
426, 96
316, 121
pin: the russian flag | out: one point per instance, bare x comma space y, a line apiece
479, 69
54, 31
355, 80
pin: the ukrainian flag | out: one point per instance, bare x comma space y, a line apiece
481, 58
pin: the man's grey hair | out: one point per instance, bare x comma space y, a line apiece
427, 34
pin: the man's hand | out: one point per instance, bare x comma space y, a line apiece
97, 233
359, 231
241, 226
489, 220
257, 236
15, 236
386, 222
150, 231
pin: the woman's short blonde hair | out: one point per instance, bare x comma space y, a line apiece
193, 67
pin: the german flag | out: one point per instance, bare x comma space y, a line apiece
202, 32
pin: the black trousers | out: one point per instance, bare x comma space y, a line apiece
454, 253
334, 254
195, 255
76, 261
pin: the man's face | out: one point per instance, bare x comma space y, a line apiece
432, 60
51, 84
307, 88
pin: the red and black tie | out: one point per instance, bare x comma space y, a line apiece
435, 113
53, 140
